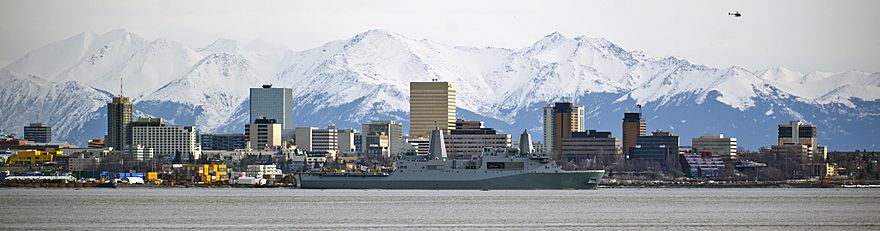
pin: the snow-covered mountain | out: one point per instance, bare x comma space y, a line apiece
350, 81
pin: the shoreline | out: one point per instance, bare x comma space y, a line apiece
600, 187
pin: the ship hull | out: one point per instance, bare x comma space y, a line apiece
554, 180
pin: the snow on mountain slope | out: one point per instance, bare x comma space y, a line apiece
825, 88
349, 70
218, 85
68, 107
54, 58
265, 58
103, 59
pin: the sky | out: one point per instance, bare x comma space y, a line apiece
808, 35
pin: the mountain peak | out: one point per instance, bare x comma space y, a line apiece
555, 37
376, 35
782, 74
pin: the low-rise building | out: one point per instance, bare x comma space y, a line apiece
266, 171
98, 143
83, 164
591, 149
226, 142
38, 132
716, 143
139, 152
201, 173
659, 146
705, 164
317, 139
470, 138
32, 157
86, 160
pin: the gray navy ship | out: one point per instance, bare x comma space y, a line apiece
504, 168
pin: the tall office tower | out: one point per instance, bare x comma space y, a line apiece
798, 132
560, 120
431, 105
633, 127
166, 141
263, 133
525, 142
716, 143
38, 132
119, 113
272, 103
392, 130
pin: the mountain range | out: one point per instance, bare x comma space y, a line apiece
350, 81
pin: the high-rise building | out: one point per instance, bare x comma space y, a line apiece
347, 140
263, 133
560, 120
38, 132
659, 146
798, 132
391, 129
272, 103
470, 138
317, 139
376, 145
227, 142
633, 127
717, 144
590, 149
166, 141
431, 105
119, 115
358, 142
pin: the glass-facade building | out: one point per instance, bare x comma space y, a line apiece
658, 146
272, 103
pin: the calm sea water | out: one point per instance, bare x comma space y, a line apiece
613, 209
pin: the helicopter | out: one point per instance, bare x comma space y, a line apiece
734, 14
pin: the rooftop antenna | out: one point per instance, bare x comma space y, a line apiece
120, 86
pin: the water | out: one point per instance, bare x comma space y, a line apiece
613, 209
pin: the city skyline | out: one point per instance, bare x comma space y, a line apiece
499, 114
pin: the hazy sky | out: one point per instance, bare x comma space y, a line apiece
802, 35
